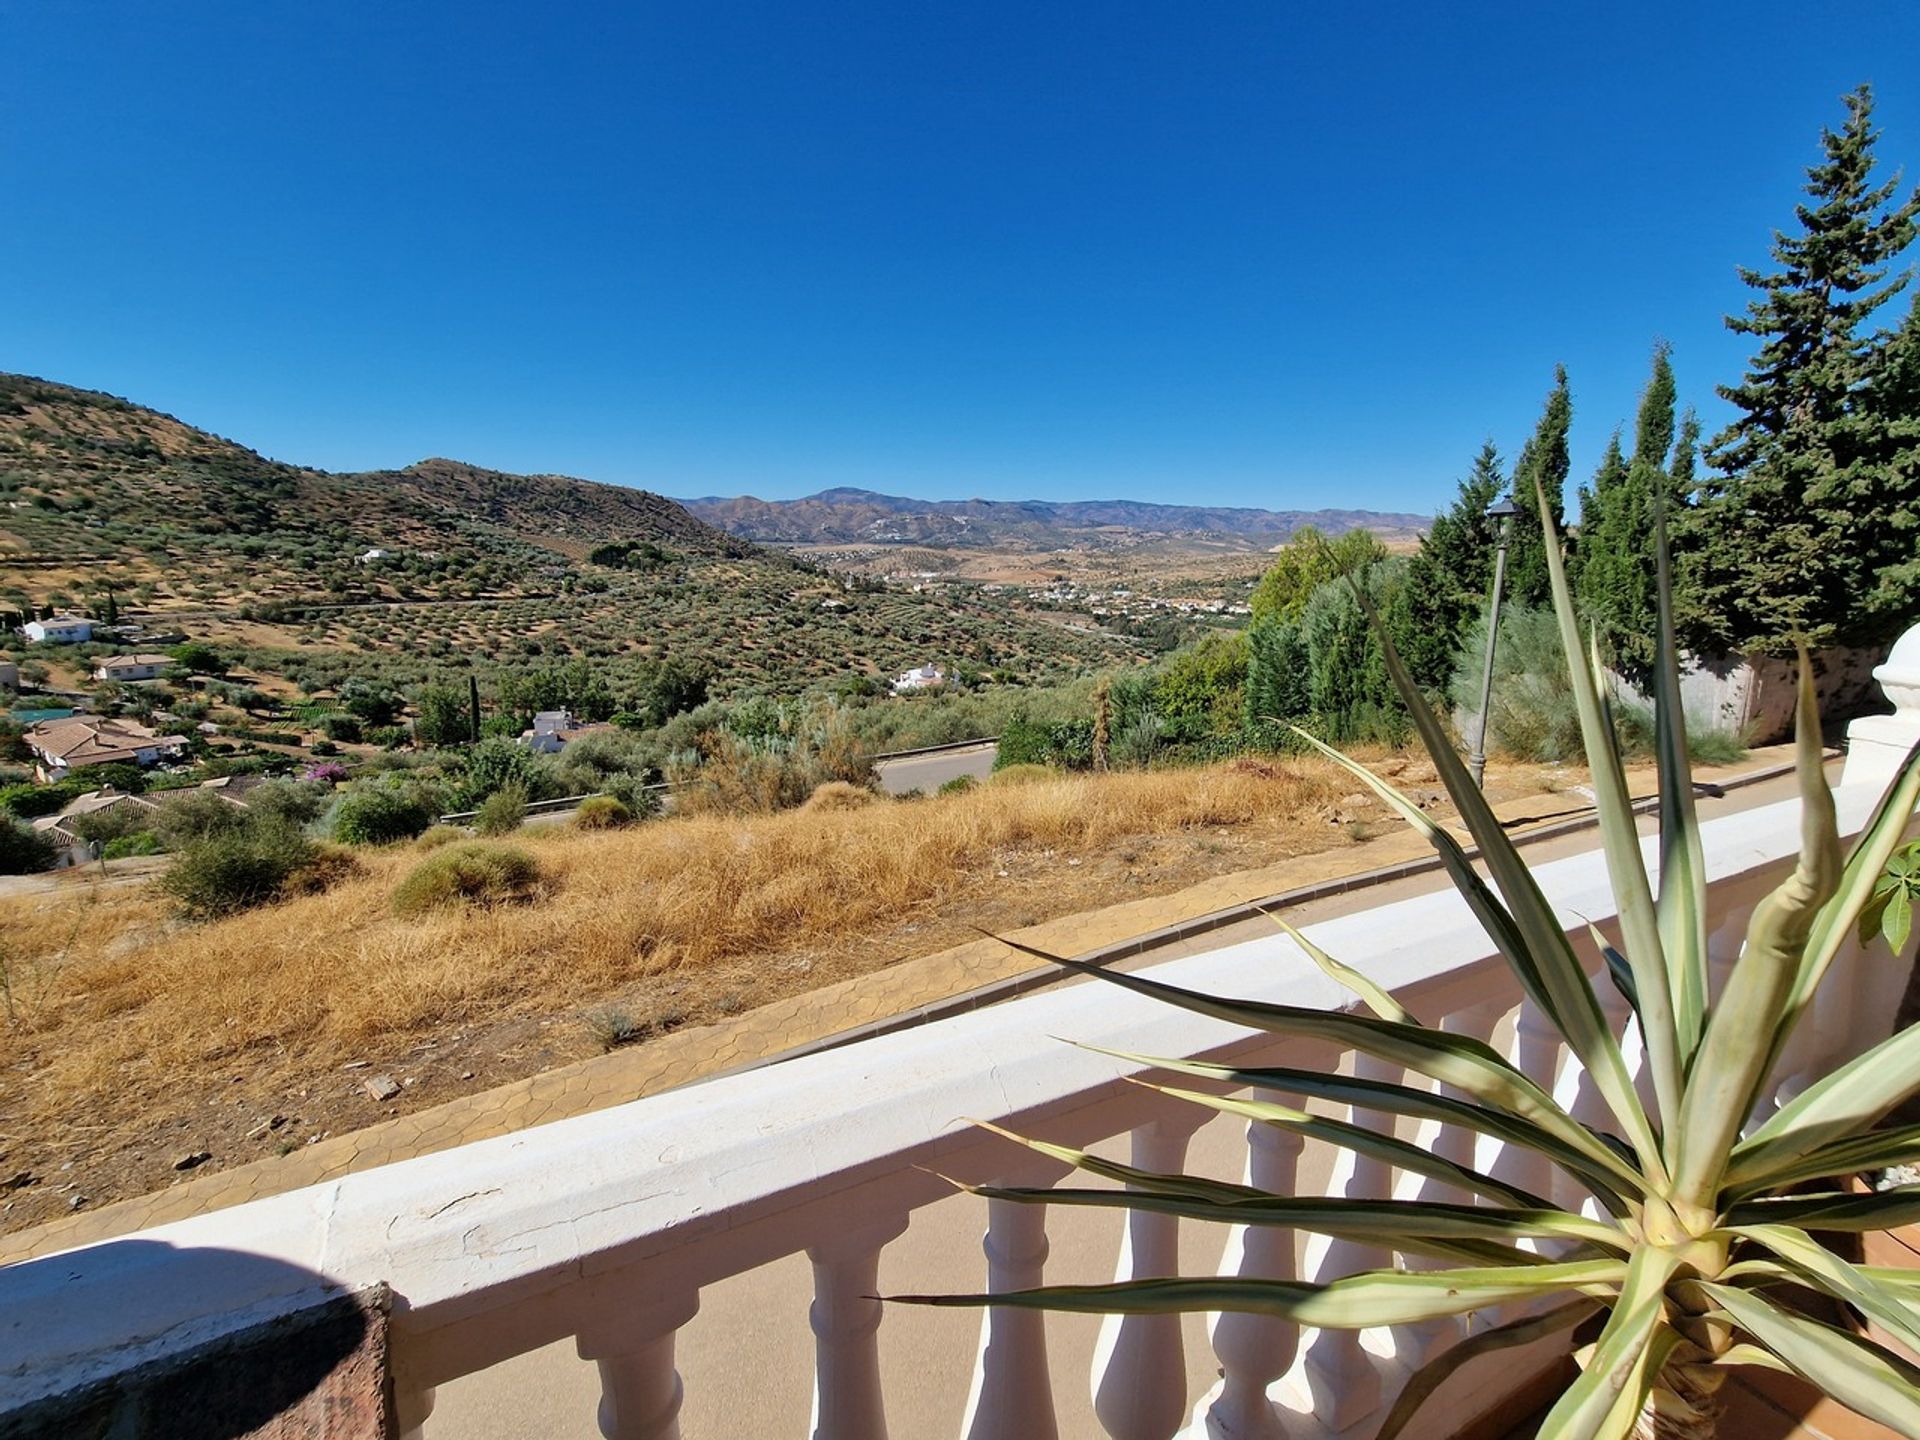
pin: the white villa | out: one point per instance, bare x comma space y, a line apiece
59, 630
63, 746
923, 677
132, 667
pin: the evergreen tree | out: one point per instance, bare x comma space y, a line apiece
1893, 443
1544, 465
1792, 535
1615, 576
1449, 577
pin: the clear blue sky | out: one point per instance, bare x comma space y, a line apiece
1246, 252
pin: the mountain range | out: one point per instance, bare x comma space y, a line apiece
847, 516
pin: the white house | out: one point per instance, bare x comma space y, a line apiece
373, 556
59, 630
63, 746
132, 667
923, 677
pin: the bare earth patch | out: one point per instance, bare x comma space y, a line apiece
139, 1048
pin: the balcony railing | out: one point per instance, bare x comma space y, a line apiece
605, 1229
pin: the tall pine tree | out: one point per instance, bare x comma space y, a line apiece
1449, 577
1793, 533
1544, 465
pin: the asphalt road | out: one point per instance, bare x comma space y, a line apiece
927, 773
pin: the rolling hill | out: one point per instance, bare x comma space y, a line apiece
479, 569
850, 516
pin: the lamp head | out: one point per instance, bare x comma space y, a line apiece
1503, 509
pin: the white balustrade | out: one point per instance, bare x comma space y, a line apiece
1012, 1393
640, 1390
1140, 1363
606, 1227
1338, 1379
1255, 1350
848, 1399
1414, 1345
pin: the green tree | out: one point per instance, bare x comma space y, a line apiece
1306, 562
200, 658
1449, 577
1544, 465
1349, 688
443, 716
1809, 507
1615, 578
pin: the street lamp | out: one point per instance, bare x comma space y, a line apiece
1502, 510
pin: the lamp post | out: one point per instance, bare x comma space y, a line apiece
1502, 510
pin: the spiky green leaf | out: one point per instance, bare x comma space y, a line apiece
1824, 1270
1859, 1374
1371, 995
1422, 1384
1735, 1055
1603, 1180
1457, 1060
1604, 1402
1356, 1302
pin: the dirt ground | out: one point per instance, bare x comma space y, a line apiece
169, 1110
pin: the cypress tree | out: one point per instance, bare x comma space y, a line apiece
1449, 577
1616, 555
1792, 534
1544, 465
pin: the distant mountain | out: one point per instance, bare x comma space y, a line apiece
846, 516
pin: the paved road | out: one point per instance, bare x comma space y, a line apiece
927, 773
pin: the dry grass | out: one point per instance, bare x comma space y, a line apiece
125, 998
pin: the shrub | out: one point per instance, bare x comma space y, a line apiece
602, 812
24, 850
28, 802
473, 873
297, 802
838, 795
343, 726
236, 870
378, 815
435, 836
143, 842
195, 815
958, 785
496, 764
502, 812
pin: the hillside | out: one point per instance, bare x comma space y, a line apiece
189, 531
850, 516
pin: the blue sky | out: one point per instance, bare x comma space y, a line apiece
1248, 252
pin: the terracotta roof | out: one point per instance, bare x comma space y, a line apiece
96, 740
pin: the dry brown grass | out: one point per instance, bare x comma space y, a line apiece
127, 999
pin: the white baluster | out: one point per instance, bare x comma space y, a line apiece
1012, 1393
847, 1399
1139, 1364
640, 1390
1537, 1051
1414, 1345
1587, 1104
1255, 1350
1336, 1378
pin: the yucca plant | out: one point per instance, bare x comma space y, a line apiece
1703, 1229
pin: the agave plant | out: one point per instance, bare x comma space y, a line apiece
1701, 1228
